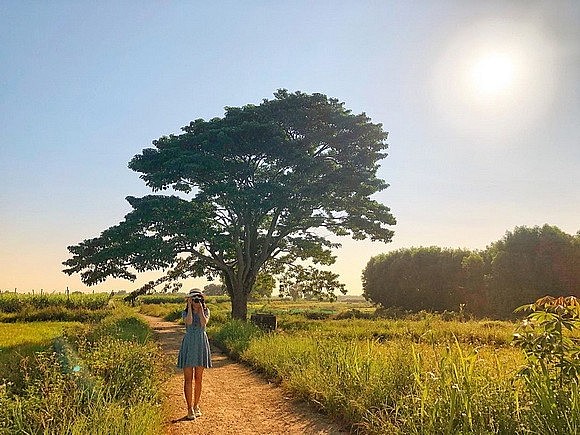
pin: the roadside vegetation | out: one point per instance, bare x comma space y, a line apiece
79, 378
383, 371
18, 307
378, 370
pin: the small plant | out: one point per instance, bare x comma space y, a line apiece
544, 340
550, 375
235, 336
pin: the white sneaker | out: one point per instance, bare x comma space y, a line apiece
197, 412
191, 415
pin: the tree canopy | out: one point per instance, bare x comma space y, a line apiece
259, 190
526, 264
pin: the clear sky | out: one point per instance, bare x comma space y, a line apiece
480, 98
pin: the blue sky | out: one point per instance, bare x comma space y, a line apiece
84, 86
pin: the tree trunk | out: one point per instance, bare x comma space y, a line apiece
239, 304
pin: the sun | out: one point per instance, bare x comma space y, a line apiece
492, 73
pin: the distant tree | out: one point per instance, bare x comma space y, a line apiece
528, 263
214, 289
473, 291
264, 183
292, 290
263, 286
299, 281
416, 279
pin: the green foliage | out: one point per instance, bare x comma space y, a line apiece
528, 263
416, 278
301, 281
17, 302
235, 336
160, 298
94, 382
552, 363
522, 266
543, 337
213, 289
261, 181
263, 286
15, 307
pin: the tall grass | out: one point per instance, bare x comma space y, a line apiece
396, 388
234, 336
23, 340
404, 386
36, 308
100, 379
15, 302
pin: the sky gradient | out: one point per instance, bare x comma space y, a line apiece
84, 86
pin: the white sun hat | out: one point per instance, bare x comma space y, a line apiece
194, 292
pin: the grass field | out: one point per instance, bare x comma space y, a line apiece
381, 371
79, 378
15, 307
36, 334
403, 374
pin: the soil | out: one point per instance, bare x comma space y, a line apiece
234, 399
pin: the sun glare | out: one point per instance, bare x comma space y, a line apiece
494, 78
493, 73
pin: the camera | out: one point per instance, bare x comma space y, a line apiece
197, 300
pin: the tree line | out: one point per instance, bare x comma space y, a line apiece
526, 264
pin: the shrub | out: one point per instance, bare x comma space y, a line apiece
552, 363
353, 313
316, 315
235, 336
101, 379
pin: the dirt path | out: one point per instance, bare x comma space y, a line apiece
234, 400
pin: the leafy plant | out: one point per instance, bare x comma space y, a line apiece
543, 338
553, 364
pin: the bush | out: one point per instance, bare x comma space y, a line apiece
235, 336
101, 379
316, 315
353, 313
552, 364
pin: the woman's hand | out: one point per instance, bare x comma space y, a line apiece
189, 317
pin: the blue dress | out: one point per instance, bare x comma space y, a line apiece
194, 351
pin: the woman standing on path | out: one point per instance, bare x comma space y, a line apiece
194, 354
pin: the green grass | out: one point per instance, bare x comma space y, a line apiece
422, 374
387, 371
16, 307
19, 341
98, 378
15, 302
41, 334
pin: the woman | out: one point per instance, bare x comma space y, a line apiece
194, 354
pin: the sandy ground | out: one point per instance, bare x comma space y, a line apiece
234, 399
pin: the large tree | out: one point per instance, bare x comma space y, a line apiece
260, 190
424, 278
528, 263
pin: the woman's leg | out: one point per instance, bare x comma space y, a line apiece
187, 386
198, 380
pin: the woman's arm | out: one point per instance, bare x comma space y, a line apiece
189, 317
203, 316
